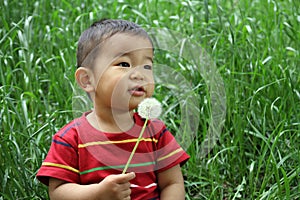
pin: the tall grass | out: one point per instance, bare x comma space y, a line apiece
255, 46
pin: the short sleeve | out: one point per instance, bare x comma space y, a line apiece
61, 161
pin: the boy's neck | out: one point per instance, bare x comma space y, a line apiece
111, 121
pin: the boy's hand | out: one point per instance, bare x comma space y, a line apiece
113, 187
117, 187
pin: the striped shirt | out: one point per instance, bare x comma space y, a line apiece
81, 154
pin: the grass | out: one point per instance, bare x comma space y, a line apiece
254, 45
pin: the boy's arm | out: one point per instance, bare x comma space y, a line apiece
113, 187
171, 184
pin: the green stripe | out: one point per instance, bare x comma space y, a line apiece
115, 167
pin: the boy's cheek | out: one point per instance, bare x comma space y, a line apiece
150, 90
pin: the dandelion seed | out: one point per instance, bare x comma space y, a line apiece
149, 108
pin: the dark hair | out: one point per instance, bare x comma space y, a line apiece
88, 44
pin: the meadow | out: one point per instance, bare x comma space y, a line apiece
253, 45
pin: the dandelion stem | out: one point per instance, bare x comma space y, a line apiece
135, 147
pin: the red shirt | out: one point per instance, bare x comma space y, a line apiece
81, 154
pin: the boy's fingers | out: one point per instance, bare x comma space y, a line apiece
124, 178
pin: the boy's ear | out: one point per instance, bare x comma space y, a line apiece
85, 79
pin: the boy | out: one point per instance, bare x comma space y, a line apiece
86, 157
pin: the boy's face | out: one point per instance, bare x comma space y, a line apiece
123, 72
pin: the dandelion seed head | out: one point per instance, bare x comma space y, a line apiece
149, 108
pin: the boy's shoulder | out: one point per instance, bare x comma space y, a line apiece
71, 129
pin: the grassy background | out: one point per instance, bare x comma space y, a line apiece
255, 45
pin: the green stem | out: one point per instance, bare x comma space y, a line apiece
135, 147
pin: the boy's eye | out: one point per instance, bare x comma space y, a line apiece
124, 64
148, 67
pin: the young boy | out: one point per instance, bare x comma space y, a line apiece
87, 156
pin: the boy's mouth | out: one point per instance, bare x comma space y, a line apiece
137, 91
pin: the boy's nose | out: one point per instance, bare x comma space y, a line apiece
136, 75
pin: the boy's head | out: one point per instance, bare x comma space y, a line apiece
115, 59
91, 39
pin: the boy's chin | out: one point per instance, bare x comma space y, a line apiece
129, 106
134, 102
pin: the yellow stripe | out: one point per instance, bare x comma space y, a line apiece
60, 166
116, 142
170, 154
